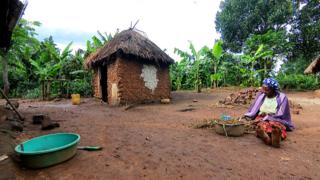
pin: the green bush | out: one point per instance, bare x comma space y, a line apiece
298, 82
81, 87
32, 93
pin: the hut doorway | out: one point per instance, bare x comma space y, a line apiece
103, 83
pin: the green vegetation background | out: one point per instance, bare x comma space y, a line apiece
255, 36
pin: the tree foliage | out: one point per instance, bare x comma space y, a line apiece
194, 60
255, 36
288, 30
305, 30
34, 64
238, 19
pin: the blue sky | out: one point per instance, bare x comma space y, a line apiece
63, 38
168, 23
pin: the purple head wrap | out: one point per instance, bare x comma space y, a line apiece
271, 83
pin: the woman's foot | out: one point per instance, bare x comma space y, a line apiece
276, 137
264, 136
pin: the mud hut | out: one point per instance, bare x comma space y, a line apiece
314, 66
130, 69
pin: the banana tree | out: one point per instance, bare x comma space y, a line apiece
215, 55
196, 55
252, 59
97, 42
180, 69
46, 73
50, 63
215, 78
178, 73
194, 58
22, 46
64, 58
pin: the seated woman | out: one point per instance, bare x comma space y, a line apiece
271, 113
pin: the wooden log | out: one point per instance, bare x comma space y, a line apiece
166, 101
13, 108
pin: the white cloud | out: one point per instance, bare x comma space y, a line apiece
168, 23
74, 47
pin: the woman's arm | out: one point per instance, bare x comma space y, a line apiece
283, 113
255, 106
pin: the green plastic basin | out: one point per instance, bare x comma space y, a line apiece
48, 150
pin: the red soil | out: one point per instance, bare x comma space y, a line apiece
160, 142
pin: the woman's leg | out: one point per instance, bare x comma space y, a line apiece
271, 132
278, 133
262, 133
276, 136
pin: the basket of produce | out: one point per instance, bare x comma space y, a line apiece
229, 127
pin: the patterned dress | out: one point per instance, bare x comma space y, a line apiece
280, 119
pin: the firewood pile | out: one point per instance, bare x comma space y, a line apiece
244, 97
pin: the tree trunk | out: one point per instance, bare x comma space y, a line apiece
43, 90
224, 78
215, 82
6, 84
197, 81
265, 69
48, 90
252, 75
178, 83
198, 89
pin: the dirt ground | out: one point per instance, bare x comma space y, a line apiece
158, 141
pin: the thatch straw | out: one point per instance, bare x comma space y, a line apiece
130, 43
89, 59
314, 67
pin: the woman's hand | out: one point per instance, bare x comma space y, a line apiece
246, 118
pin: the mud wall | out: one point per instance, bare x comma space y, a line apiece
140, 82
96, 83
132, 82
113, 83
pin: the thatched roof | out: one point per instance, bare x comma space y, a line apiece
10, 13
132, 43
314, 67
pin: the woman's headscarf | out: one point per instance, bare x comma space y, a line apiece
271, 83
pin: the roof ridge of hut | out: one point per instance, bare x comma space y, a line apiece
314, 66
129, 42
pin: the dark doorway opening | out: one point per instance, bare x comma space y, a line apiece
103, 83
